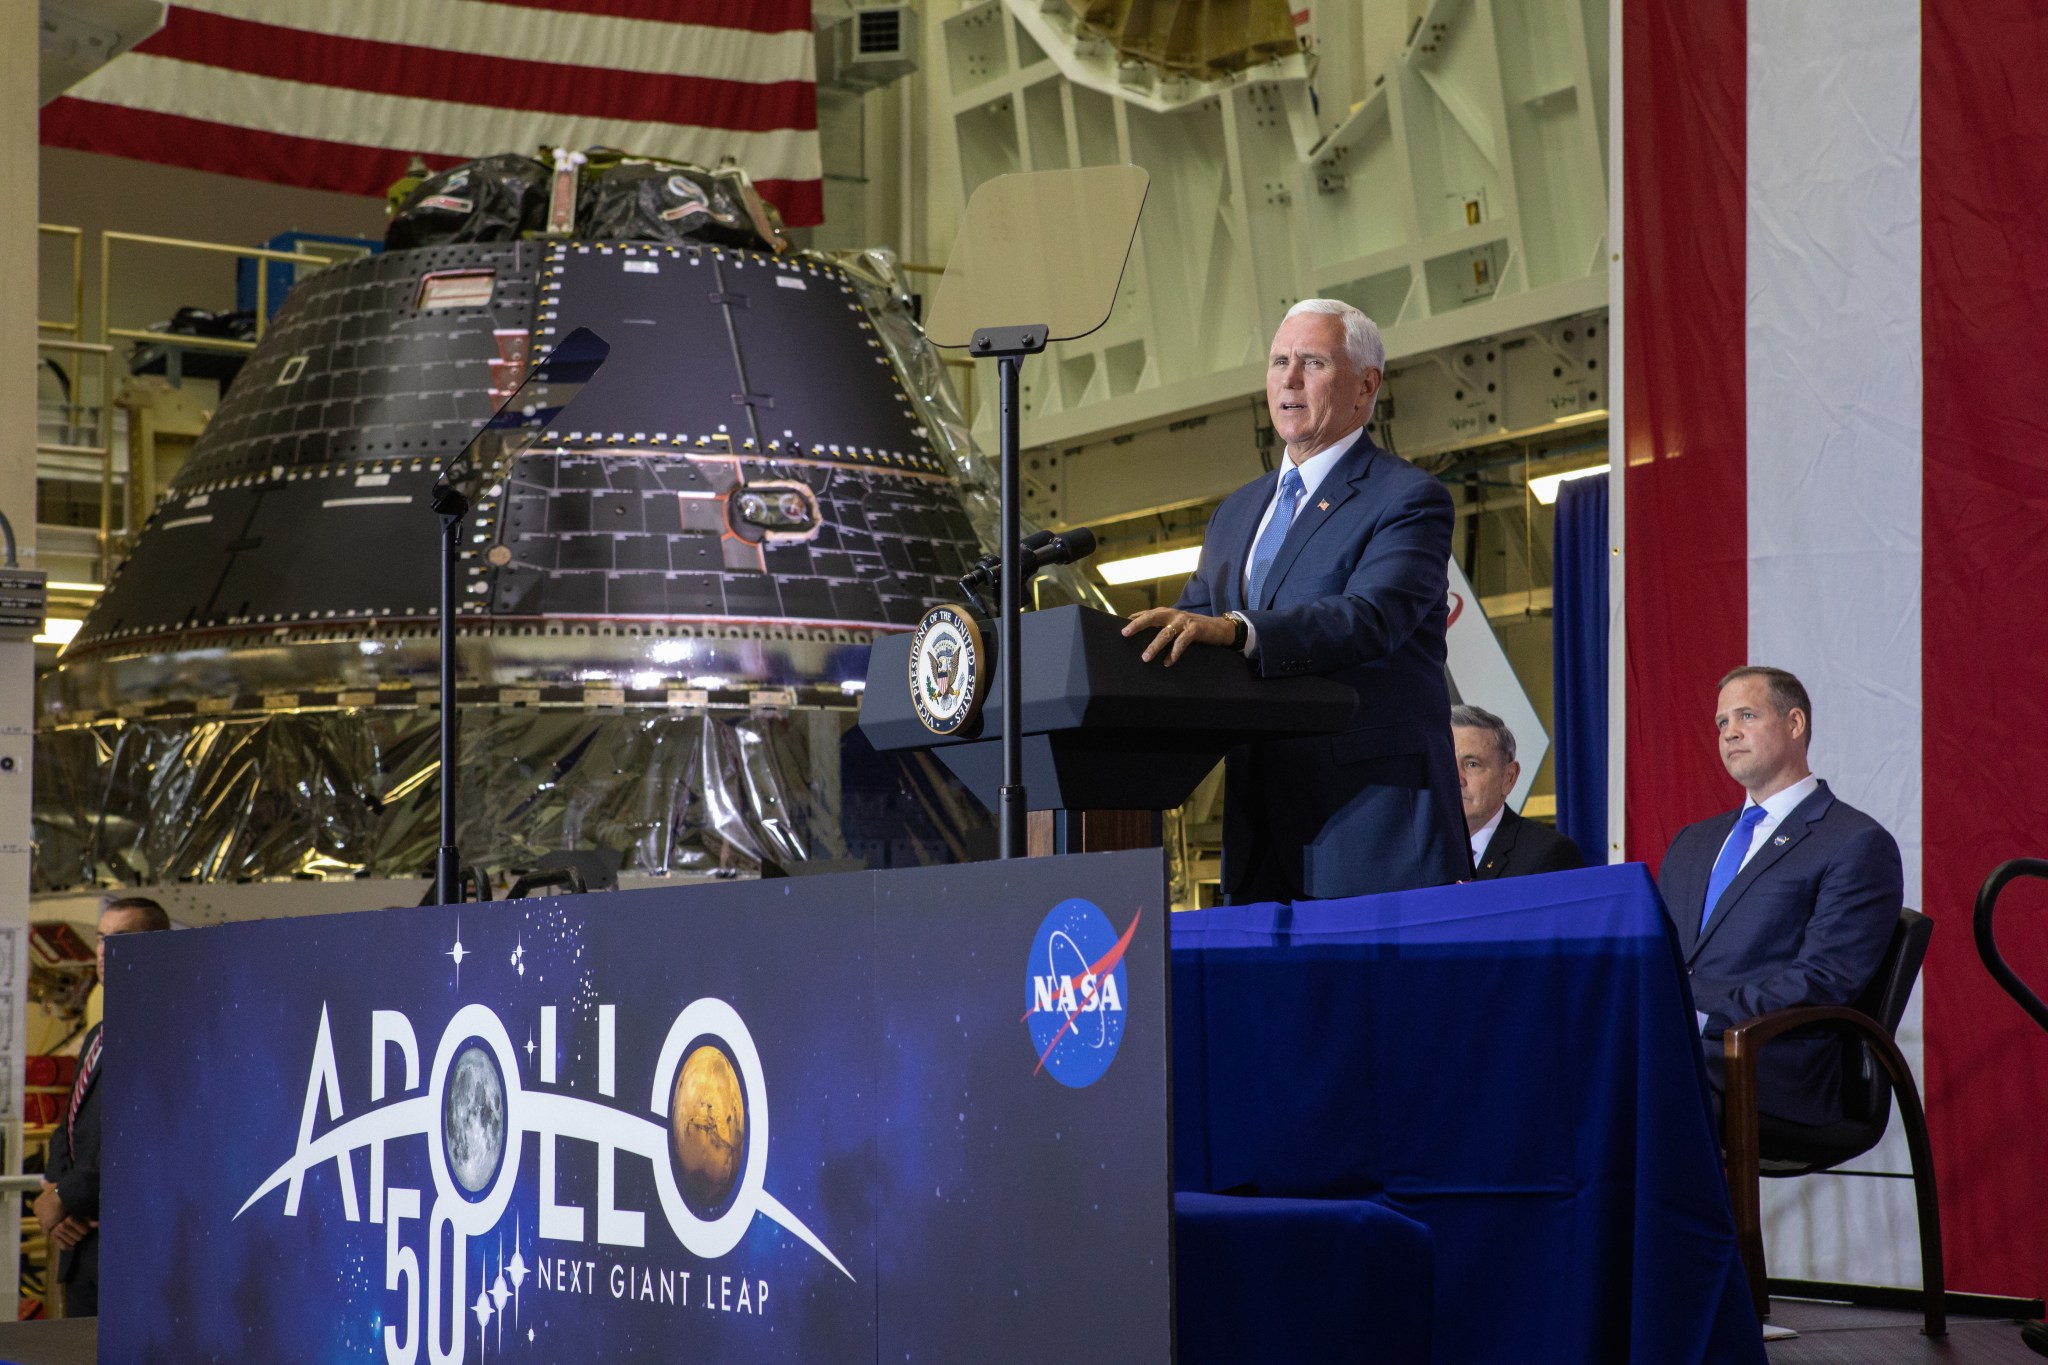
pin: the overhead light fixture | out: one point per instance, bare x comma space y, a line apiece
1144, 568
1589, 415
59, 630
1545, 486
55, 586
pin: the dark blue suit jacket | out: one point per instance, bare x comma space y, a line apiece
1805, 923
75, 1171
1359, 593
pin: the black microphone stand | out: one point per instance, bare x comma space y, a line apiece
452, 507
535, 404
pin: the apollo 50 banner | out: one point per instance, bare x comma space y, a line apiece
909, 1116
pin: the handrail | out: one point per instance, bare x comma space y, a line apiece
103, 429
253, 253
77, 236
1987, 943
182, 340
219, 248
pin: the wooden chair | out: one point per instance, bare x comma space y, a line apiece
1873, 1074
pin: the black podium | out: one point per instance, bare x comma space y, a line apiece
1109, 740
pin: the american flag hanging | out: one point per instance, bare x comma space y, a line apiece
341, 94
1836, 431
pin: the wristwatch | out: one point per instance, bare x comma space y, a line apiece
1243, 631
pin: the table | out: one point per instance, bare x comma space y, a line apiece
1305, 1281
1513, 1065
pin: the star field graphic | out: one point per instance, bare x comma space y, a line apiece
299, 1103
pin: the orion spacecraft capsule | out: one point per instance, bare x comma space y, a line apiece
664, 603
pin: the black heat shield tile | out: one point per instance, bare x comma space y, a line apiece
670, 371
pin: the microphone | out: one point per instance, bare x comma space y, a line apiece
1037, 551
1064, 548
988, 570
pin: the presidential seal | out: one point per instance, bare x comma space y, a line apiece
948, 670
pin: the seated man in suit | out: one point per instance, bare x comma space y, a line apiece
1790, 900
1337, 564
1503, 843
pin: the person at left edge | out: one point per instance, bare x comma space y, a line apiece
68, 1207
1336, 564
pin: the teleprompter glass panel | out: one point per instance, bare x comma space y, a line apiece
1046, 248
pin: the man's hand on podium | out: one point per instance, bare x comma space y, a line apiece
1179, 629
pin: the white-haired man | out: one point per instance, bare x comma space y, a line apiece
1335, 564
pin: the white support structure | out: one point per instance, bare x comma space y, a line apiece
1462, 198
19, 29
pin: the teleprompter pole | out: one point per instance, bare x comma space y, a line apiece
1050, 245
1009, 346
1010, 796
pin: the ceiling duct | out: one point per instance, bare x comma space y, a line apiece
865, 44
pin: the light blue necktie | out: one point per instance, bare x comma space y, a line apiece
1730, 862
1268, 548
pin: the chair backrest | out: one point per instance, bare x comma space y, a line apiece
1865, 1092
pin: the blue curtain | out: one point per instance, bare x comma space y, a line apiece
1579, 558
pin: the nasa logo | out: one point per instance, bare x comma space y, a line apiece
1075, 986
948, 670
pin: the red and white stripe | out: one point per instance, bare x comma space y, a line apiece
340, 94
1835, 424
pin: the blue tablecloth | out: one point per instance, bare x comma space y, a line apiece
1300, 1281
1512, 1064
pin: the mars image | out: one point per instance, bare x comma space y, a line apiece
709, 1118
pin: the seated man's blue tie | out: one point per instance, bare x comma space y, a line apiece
1730, 862
1268, 548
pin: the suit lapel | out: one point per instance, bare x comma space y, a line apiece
1794, 827
1338, 487
1693, 894
1499, 848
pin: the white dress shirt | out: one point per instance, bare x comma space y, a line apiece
1313, 471
1776, 808
1484, 835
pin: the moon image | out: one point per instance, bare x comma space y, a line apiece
473, 1119
708, 1116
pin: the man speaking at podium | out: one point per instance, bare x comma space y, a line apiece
1335, 565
